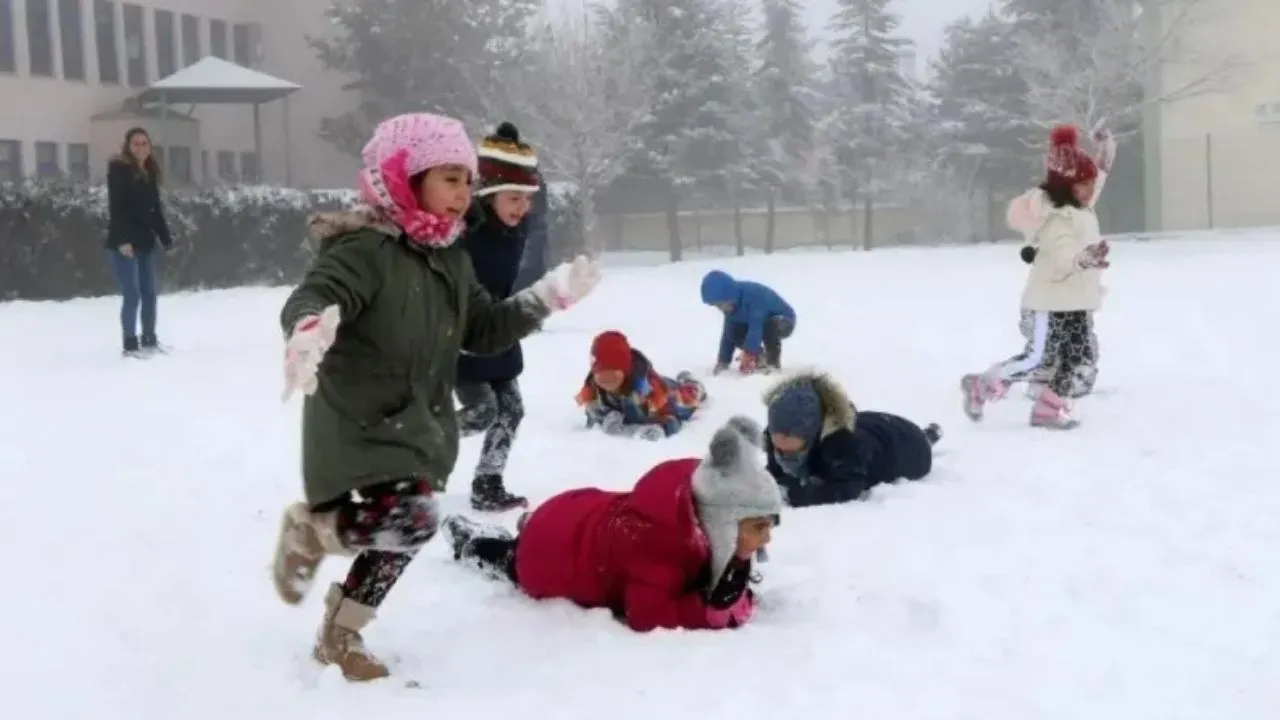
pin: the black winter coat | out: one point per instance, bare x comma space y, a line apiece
495, 251
135, 216
881, 448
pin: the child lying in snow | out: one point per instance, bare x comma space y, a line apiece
674, 552
821, 450
624, 395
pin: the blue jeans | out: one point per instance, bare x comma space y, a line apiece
136, 277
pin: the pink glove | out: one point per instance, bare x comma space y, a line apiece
1094, 257
736, 615
311, 338
747, 363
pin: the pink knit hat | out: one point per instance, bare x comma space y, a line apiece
405, 146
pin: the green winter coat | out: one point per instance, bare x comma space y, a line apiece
383, 408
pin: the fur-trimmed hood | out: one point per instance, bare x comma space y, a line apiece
327, 227
838, 411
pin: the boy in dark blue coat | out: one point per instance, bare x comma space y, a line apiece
498, 223
756, 320
821, 450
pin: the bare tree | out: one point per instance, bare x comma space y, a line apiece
1127, 56
584, 91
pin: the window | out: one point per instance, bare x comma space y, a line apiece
180, 164
104, 24
47, 167
72, 25
8, 53
40, 37
135, 46
218, 39
10, 161
157, 152
206, 170
241, 47
78, 161
226, 165
166, 44
249, 170
192, 48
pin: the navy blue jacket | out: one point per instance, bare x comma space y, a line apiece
536, 251
495, 251
845, 464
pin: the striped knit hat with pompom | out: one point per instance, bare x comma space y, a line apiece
506, 163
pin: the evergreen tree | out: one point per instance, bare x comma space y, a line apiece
783, 82
980, 109
429, 55
685, 136
869, 126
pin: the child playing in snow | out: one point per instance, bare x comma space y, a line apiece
624, 395
487, 389
1063, 287
755, 318
674, 552
373, 336
821, 450
1026, 215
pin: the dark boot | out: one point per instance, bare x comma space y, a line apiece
489, 494
462, 531
131, 348
151, 346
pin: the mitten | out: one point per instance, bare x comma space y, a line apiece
613, 423
649, 432
1104, 144
567, 284
732, 585
1094, 256
311, 338
748, 363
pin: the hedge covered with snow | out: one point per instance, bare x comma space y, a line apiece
52, 237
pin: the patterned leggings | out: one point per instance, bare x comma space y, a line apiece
496, 410
389, 523
1068, 335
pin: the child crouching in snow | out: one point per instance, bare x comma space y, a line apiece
756, 320
674, 552
624, 395
821, 450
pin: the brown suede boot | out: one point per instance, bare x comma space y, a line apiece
338, 641
305, 538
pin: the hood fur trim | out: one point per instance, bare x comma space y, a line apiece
326, 226
838, 411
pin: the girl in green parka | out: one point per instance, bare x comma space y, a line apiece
373, 337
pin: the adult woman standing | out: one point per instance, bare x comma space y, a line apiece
136, 225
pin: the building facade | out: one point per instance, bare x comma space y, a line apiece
1213, 157
68, 69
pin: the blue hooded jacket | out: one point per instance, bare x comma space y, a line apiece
753, 305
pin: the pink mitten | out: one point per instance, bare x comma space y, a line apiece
566, 285
311, 338
1104, 148
734, 616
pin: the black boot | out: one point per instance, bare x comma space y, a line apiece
152, 346
131, 348
489, 494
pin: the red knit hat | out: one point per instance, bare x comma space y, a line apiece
1066, 163
610, 351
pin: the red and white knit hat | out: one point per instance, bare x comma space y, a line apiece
1067, 163
506, 163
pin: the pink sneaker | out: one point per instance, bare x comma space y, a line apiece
1052, 412
978, 391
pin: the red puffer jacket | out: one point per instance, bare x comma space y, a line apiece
641, 554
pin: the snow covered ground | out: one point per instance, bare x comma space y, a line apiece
1124, 571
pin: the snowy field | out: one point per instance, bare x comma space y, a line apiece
1129, 570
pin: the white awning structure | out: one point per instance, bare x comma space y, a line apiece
213, 80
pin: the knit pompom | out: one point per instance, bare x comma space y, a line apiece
507, 131
1064, 135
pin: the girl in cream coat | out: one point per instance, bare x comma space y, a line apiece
1063, 286
1026, 214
